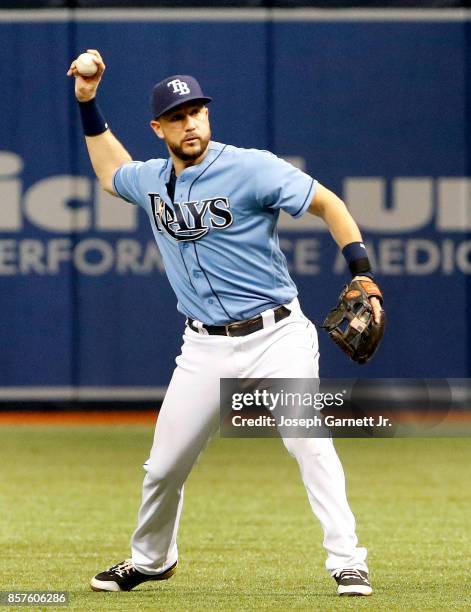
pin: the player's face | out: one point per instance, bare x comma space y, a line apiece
185, 130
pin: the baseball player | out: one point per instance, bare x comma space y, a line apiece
213, 210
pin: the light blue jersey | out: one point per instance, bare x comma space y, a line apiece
219, 240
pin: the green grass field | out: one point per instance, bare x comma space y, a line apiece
248, 540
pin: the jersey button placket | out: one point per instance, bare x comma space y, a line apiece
197, 278
199, 281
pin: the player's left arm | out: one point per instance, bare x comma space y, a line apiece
332, 210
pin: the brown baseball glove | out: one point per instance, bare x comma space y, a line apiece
351, 324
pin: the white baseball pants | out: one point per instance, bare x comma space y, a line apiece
190, 416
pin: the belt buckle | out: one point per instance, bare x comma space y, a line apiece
228, 327
239, 324
234, 325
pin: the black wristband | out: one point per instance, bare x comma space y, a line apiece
93, 122
357, 259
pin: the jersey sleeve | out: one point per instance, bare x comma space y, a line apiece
126, 182
281, 186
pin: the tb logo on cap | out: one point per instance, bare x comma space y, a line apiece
179, 87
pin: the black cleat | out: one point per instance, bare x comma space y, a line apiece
352, 582
124, 577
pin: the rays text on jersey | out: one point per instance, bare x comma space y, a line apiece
191, 220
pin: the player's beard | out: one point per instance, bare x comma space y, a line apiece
178, 151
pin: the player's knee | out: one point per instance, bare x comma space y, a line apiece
158, 472
164, 472
293, 445
300, 447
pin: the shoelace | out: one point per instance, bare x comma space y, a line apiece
350, 573
125, 567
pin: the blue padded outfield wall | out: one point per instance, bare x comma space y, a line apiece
376, 109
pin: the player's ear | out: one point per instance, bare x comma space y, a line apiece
157, 128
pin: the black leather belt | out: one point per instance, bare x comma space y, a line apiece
241, 328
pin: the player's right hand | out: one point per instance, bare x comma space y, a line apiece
86, 87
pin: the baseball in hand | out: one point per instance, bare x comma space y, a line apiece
85, 64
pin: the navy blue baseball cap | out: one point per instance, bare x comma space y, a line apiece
175, 90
